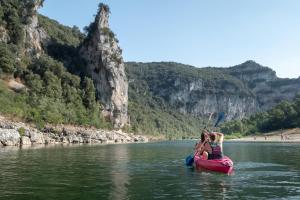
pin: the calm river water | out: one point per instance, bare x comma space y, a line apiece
147, 171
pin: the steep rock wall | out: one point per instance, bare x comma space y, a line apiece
194, 91
263, 82
32, 36
239, 91
35, 36
198, 99
104, 64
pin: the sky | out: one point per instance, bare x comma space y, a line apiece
217, 33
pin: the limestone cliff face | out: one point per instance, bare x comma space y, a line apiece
35, 36
267, 87
193, 91
197, 99
239, 91
104, 64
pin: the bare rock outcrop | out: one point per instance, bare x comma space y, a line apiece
4, 37
9, 137
267, 87
104, 64
35, 36
25, 140
193, 97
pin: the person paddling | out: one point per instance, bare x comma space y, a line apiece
212, 147
199, 147
216, 146
203, 146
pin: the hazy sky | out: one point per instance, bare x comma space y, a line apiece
201, 33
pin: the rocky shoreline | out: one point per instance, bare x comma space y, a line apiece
21, 134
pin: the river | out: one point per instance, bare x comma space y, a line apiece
147, 171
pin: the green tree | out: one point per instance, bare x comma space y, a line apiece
6, 60
71, 95
34, 82
89, 98
52, 85
1, 15
290, 119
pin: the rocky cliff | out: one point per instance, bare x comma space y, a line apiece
27, 36
238, 91
194, 91
35, 36
21, 27
104, 63
269, 90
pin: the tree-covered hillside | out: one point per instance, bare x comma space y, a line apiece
51, 94
14, 14
162, 75
63, 44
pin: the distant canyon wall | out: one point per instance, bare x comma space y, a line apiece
269, 90
239, 91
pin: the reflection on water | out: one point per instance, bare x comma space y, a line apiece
148, 171
119, 172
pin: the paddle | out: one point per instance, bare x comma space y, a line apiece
189, 160
220, 118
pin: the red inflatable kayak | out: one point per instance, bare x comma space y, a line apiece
224, 165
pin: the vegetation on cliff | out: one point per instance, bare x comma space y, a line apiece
162, 75
52, 94
150, 86
151, 114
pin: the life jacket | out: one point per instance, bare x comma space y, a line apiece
216, 151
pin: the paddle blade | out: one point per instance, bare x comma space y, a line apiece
220, 118
189, 160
